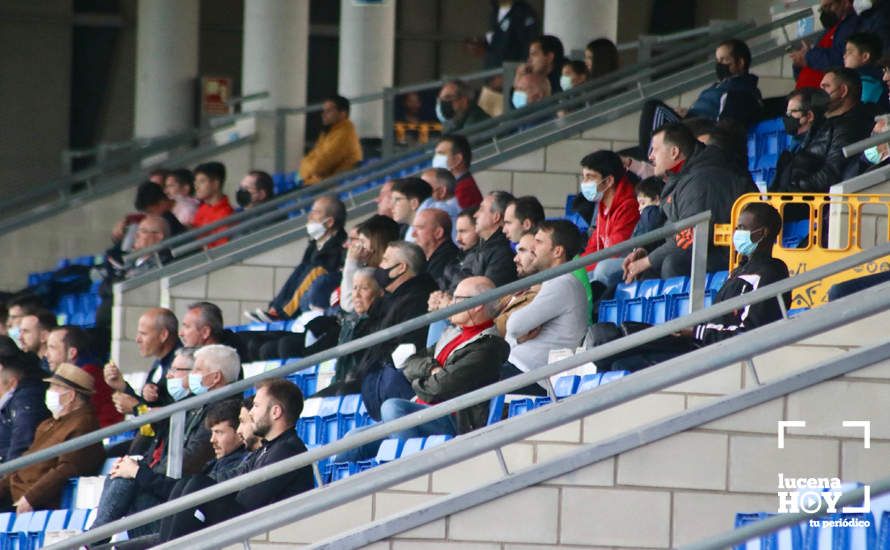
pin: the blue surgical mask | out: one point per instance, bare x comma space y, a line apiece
872, 155
177, 389
196, 384
520, 99
15, 333
588, 190
565, 82
741, 240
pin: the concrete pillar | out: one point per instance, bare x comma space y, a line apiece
577, 22
367, 54
166, 66
276, 43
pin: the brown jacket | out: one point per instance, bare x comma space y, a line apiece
41, 484
336, 150
511, 303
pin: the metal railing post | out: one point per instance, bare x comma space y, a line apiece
281, 140
389, 121
175, 442
699, 266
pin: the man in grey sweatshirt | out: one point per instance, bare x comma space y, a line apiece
557, 317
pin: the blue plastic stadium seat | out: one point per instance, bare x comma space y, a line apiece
566, 386
842, 538
495, 409
589, 381
520, 406
716, 280
435, 440
256, 327
794, 233
611, 376
678, 305
435, 332
790, 538
649, 288
608, 311
656, 310
884, 526
349, 412
390, 449
340, 470
632, 310
675, 285
77, 519
411, 446
106, 466
329, 419
67, 498
709, 297
58, 521
6, 519
541, 401
626, 291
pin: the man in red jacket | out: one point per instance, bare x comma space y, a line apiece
453, 153
605, 180
71, 344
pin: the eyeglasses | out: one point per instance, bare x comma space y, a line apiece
179, 369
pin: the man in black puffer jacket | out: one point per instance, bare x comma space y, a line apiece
822, 123
698, 178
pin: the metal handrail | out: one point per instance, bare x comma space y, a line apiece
863, 144
669, 373
584, 93
778, 522
355, 345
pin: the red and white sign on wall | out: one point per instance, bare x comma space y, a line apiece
215, 94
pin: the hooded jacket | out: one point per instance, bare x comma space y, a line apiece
736, 98
616, 223
708, 180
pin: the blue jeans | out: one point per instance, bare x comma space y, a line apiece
609, 272
390, 410
122, 497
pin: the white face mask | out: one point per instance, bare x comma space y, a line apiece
440, 161
861, 5
316, 230
53, 402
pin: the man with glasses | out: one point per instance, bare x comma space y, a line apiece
455, 107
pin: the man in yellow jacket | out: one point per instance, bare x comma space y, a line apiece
337, 148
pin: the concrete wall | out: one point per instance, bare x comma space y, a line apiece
671, 492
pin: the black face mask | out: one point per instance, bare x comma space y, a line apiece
447, 109
792, 125
383, 277
722, 70
828, 19
242, 196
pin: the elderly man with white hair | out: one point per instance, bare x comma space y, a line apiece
134, 481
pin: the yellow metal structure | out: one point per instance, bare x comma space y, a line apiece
421, 129
830, 227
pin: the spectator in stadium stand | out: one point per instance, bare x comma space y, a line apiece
649, 203
22, 403
209, 180
17, 308
402, 275
492, 257
40, 486
528, 88
324, 254
202, 325
512, 26
71, 344
156, 336
863, 51
337, 148
138, 483
384, 199
574, 73
523, 214
558, 315
407, 196
374, 235
546, 56
152, 201
758, 227
432, 233
818, 162
689, 169
179, 186
276, 408
604, 180
839, 20
453, 153
877, 156
442, 183
876, 20
255, 188
35, 329
601, 57
245, 428
158, 176
456, 108
466, 238
733, 96
525, 266
466, 357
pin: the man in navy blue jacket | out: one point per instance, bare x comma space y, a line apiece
22, 405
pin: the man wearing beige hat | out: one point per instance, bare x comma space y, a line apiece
39, 486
